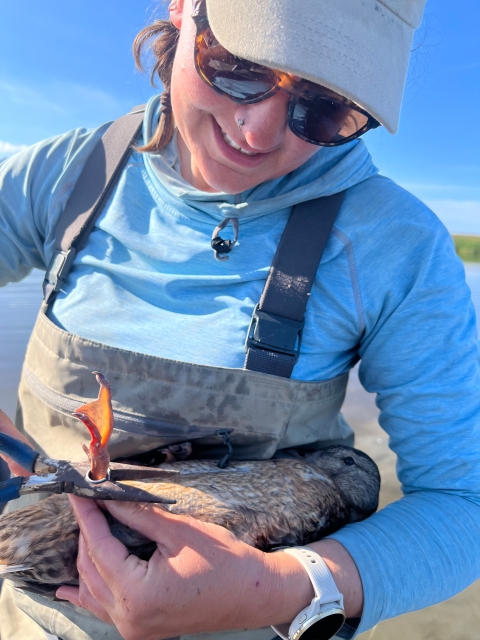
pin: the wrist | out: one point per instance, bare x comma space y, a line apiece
344, 572
290, 591
277, 587
324, 615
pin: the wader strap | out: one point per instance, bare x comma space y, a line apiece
89, 195
275, 333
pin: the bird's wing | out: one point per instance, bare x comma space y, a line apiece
36, 541
5, 569
262, 503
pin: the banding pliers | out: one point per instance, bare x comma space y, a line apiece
61, 476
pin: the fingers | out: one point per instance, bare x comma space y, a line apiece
104, 565
72, 594
92, 593
69, 593
107, 554
15, 468
91, 581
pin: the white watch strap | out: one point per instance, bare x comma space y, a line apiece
327, 596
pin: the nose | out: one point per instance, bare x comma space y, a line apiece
264, 123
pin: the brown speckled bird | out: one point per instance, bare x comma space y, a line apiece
268, 503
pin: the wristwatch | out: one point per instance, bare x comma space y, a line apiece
325, 615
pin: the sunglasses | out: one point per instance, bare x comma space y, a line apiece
315, 114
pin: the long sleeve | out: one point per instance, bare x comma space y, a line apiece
390, 291
420, 355
34, 187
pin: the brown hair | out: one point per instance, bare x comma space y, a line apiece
161, 39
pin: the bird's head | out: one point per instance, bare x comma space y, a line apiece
97, 416
354, 473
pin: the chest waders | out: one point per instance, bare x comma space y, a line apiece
158, 402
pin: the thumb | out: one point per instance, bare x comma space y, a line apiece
107, 553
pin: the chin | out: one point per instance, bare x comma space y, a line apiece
234, 186
220, 178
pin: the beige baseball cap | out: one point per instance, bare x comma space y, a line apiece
358, 48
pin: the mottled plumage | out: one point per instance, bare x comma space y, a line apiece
286, 501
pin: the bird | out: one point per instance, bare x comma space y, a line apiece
284, 501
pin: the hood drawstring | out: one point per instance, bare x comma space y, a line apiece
221, 246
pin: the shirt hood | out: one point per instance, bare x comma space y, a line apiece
329, 171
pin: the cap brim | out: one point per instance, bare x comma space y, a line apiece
358, 49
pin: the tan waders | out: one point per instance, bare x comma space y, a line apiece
158, 402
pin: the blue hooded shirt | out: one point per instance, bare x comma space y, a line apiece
390, 291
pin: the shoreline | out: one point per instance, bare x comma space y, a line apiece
467, 247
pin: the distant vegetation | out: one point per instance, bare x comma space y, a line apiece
468, 248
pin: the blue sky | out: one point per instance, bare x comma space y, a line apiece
67, 63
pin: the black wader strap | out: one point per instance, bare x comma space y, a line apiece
275, 333
89, 195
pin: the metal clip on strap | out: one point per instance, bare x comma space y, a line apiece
88, 196
275, 333
57, 271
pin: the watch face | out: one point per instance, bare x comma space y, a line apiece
324, 628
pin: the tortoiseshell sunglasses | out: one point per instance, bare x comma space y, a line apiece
315, 114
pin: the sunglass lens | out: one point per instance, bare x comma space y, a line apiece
325, 122
239, 79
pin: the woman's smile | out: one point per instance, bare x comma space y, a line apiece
234, 152
215, 154
233, 144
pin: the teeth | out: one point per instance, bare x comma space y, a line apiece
233, 144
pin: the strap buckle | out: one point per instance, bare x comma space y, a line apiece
58, 269
274, 333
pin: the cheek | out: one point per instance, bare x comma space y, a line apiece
190, 95
297, 151
192, 102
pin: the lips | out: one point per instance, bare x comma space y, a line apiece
234, 152
233, 144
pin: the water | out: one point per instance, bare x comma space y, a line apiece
19, 304
472, 271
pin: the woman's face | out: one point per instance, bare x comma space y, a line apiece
207, 121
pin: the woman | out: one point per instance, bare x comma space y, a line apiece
147, 303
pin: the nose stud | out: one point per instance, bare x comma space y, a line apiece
240, 123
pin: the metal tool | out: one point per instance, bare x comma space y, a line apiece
61, 476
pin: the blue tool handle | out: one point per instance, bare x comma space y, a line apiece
18, 451
10, 489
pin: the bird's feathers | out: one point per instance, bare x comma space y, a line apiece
264, 503
14, 568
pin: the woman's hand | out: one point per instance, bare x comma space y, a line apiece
7, 426
200, 578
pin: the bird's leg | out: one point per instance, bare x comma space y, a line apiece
97, 416
97, 455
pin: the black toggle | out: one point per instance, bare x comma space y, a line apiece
219, 245
225, 435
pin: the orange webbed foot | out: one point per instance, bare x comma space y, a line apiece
97, 416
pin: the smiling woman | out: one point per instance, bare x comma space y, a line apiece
259, 125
